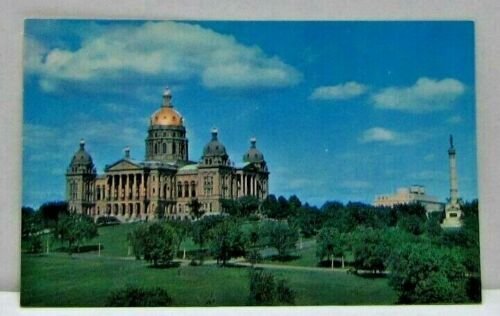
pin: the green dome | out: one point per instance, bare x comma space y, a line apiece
214, 147
253, 154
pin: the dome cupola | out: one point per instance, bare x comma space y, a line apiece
214, 147
81, 161
214, 153
253, 154
166, 115
166, 140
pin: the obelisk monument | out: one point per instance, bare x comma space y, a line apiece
453, 213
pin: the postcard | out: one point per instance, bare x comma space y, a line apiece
242, 163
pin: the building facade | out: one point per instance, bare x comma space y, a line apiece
166, 184
412, 194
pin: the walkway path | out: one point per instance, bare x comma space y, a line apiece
287, 267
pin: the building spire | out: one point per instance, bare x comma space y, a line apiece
127, 152
82, 143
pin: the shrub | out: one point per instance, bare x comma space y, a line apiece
262, 288
265, 290
132, 296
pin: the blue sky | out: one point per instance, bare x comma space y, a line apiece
341, 110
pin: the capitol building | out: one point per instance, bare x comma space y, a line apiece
166, 184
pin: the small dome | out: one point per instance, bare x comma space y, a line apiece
81, 157
166, 115
253, 154
214, 147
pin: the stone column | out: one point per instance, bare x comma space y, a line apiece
113, 187
453, 174
244, 186
141, 188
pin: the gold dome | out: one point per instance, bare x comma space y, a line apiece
166, 116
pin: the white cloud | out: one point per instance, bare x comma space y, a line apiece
426, 95
168, 50
384, 135
378, 134
341, 91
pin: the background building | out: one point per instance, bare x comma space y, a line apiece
166, 183
412, 194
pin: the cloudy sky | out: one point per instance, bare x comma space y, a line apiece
341, 110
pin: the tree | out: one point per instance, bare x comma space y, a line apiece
31, 229
182, 229
226, 241
294, 202
370, 249
196, 208
306, 219
253, 237
411, 217
137, 240
132, 296
159, 244
275, 208
243, 207
432, 227
50, 212
422, 273
200, 232
75, 229
330, 244
231, 207
282, 237
248, 205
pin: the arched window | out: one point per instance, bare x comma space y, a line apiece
186, 189
179, 189
193, 189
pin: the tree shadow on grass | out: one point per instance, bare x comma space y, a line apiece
328, 264
81, 249
234, 266
285, 258
371, 275
168, 265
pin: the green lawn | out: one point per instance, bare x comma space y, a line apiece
113, 240
59, 280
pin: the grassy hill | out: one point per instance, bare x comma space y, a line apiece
86, 279
61, 280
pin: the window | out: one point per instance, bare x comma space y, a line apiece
179, 189
173, 148
186, 189
193, 188
156, 148
164, 148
